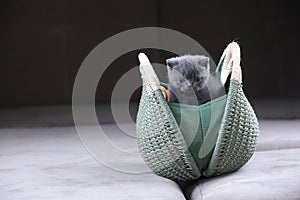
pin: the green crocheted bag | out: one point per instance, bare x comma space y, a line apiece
183, 142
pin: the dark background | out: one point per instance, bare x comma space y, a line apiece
43, 42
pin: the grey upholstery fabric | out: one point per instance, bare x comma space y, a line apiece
269, 175
279, 134
51, 163
272, 173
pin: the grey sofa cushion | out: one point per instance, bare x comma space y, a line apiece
51, 163
269, 175
278, 134
272, 173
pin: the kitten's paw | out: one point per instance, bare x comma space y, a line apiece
165, 93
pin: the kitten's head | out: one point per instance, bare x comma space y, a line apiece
188, 73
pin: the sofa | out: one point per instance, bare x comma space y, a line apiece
50, 162
272, 173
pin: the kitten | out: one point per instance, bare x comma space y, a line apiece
190, 81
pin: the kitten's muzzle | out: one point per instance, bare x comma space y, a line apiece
186, 88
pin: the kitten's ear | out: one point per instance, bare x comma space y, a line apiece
204, 62
172, 62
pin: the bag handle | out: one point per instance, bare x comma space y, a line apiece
231, 58
149, 76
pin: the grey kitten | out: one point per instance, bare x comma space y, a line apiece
190, 80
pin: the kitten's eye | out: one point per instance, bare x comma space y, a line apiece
199, 79
181, 81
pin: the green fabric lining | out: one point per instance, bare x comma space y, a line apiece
195, 121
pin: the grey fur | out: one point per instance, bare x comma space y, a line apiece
190, 81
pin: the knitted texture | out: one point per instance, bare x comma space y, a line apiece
162, 144
237, 136
160, 141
